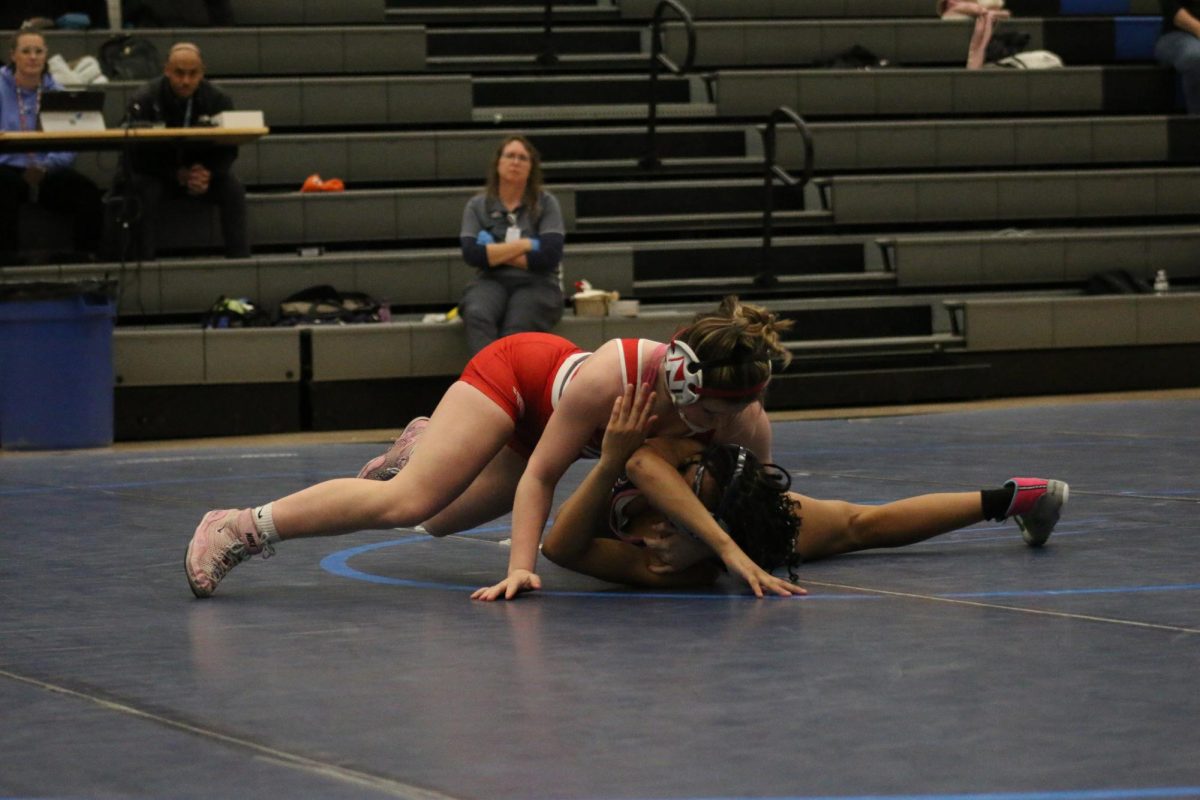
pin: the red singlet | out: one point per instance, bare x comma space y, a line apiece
526, 373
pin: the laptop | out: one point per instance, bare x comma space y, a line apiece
72, 110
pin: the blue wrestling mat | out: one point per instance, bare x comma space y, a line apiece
969, 666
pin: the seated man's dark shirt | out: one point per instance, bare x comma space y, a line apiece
156, 103
154, 171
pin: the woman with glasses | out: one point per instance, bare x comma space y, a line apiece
32, 176
512, 233
663, 514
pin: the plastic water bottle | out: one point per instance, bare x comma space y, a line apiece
1161, 284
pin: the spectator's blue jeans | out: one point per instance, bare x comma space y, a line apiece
1182, 51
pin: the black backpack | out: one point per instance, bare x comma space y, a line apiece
855, 57
129, 58
325, 304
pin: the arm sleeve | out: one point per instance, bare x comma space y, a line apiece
547, 259
551, 231
474, 254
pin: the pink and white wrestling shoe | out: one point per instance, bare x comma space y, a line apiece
1036, 507
223, 539
385, 467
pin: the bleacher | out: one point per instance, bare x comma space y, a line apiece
941, 250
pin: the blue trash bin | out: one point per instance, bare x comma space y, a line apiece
56, 364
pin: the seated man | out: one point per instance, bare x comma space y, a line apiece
182, 98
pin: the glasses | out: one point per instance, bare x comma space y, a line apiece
515, 157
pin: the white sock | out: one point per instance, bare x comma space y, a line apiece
264, 519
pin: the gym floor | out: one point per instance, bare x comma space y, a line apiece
969, 666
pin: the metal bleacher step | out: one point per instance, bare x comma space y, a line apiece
500, 48
628, 168
993, 197
890, 344
607, 111
563, 62
925, 41
499, 12
1086, 7
588, 96
1046, 256
452, 42
699, 220
876, 9
857, 282
309, 12
688, 204
575, 90
930, 91
767, 9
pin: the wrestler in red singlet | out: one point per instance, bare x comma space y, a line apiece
527, 373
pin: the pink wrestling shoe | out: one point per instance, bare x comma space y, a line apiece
223, 539
385, 467
1036, 506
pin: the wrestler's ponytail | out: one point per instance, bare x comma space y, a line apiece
744, 339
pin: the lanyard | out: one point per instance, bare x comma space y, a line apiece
37, 107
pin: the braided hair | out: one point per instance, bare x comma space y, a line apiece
753, 505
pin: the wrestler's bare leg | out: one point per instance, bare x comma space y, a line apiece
832, 527
489, 496
465, 433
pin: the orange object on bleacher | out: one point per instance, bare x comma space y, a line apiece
313, 183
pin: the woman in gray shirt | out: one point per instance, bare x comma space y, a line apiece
513, 234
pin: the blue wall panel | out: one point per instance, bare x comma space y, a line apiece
1135, 38
1094, 7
